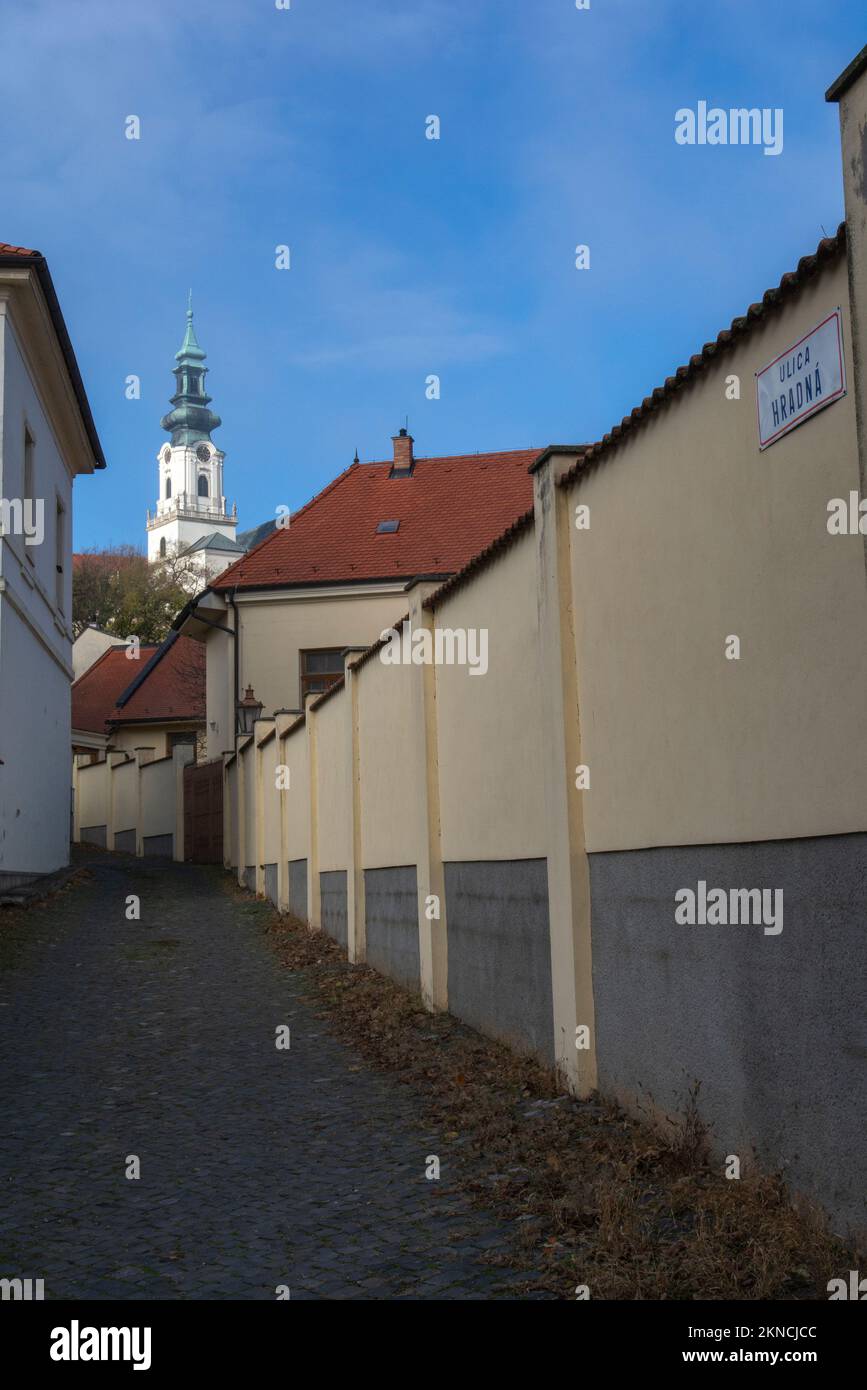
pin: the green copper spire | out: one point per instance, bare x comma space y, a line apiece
190, 422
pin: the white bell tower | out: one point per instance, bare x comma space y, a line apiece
191, 503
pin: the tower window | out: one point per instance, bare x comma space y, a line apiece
163, 548
168, 487
203, 485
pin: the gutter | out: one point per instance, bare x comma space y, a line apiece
230, 599
189, 611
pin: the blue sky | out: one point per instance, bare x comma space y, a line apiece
410, 257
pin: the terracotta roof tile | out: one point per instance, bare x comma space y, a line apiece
448, 510
174, 688
96, 692
479, 562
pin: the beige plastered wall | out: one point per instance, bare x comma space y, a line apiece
489, 735
296, 800
125, 791
391, 780
92, 797
131, 736
274, 631
695, 535
232, 808
247, 770
158, 798
334, 809
270, 830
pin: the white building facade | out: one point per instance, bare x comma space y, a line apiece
47, 438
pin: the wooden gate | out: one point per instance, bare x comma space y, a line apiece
203, 813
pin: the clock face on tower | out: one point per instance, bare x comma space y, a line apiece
167, 456
203, 453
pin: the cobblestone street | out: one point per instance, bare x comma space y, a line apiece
259, 1167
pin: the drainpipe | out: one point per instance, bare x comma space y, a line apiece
237, 659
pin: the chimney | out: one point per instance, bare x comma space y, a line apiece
850, 92
403, 459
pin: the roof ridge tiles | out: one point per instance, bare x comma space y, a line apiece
828, 249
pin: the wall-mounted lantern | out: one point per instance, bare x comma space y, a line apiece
249, 710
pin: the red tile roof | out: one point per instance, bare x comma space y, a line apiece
173, 688
96, 692
449, 510
7, 250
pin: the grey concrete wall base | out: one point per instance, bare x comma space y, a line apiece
271, 882
772, 1026
332, 892
298, 888
158, 846
13, 878
391, 917
93, 835
499, 951
125, 840
250, 877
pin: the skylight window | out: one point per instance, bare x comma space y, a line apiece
386, 528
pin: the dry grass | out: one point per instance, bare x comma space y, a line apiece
593, 1196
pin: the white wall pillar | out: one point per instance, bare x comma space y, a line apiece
568, 867
112, 760
356, 934
261, 729
314, 897
142, 756
241, 782
284, 719
430, 881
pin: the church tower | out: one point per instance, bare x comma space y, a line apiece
191, 506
